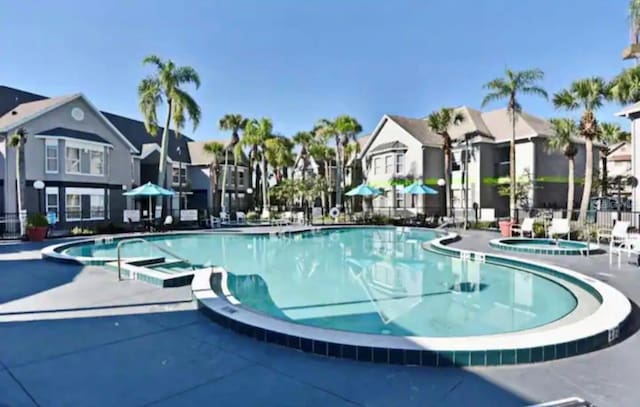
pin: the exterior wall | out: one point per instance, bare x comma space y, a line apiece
117, 171
432, 171
635, 157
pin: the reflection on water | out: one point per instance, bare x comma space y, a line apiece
375, 280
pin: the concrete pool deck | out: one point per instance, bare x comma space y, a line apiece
73, 335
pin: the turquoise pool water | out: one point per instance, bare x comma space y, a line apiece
368, 280
545, 243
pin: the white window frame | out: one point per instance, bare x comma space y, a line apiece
53, 146
240, 177
89, 147
399, 199
176, 170
388, 164
103, 206
377, 165
67, 167
103, 158
67, 206
52, 191
91, 192
399, 163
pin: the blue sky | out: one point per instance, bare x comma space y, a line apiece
299, 61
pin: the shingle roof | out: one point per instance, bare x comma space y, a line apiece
499, 124
28, 109
75, 134
200, 157
418, 128
132, 129
473, 123
392, 145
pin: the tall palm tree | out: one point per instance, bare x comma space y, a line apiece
165, 85
17, 141
440, 122
256, 134
279, 152
634, 17
343, 129
215, 149
324, 154
610, 134
625, 87
238, 156
233, 123
512, 85
589, 95
304, 139
563, 140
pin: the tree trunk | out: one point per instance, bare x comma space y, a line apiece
263, 179
164, 151
20, 184
570, 187
588, 179
235, 182
448, 203
338, 174
466, 182
512, 170
213, 176
224, 181
605, 175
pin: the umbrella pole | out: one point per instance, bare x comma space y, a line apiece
150, 219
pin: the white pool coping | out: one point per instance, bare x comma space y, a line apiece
613, 311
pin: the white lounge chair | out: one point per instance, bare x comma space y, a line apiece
524, 228
615, 236
559, 227
214, 222
299, 218
241, 217
224, 217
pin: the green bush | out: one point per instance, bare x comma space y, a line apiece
483, 225
381, 220
78, 231
539, 229
37, 220
252, 216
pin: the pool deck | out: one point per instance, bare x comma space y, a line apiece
73, 335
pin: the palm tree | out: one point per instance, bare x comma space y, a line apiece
589, 95
634, 16
440, 122
610, 134
17, 141
165, 86
322, 153
215, 149
564, 133
343, 129
304, 139
514, 83
256, 134
233, 123
625, 87
279, 152
238, 155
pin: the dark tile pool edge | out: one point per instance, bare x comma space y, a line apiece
500, 244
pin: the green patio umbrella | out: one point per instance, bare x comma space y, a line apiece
150, 190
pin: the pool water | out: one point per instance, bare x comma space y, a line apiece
545, 243
367, 280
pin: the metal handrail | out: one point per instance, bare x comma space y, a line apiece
141, 240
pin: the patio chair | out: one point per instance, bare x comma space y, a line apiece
241, 218
524, 228
559, 227
224, 218
168, 222
299, 218
214, 222
614, 236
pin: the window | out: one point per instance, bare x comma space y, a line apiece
399, 163
73, 205
84, 160
388, 164
76, 198
51, 156
52, 203
72, 160
399, 199
96, 162
240, 178
96, 208
179, 175
377, 162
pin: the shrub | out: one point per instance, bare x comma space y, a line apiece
483, 225
381, 219
252, 216
77, 231
539, 229
37, 220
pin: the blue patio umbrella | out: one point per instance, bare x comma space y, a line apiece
364, 190
150, 190
419, 189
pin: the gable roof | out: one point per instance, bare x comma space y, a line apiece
30, 110
74, 134
392, 145
473, 124
133, 131
499, 124
201, 157
417, 128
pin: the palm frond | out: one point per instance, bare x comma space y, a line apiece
534, 90
612, 133
565, 99
181, 98
185, 75
150, 97
154, 60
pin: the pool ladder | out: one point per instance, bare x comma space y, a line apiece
141, 240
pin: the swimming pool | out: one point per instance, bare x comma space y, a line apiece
544, 246
378, 287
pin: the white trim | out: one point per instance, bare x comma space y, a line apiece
51, 143
80, 147
84, 191
154, 147
63, 102
70, 140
